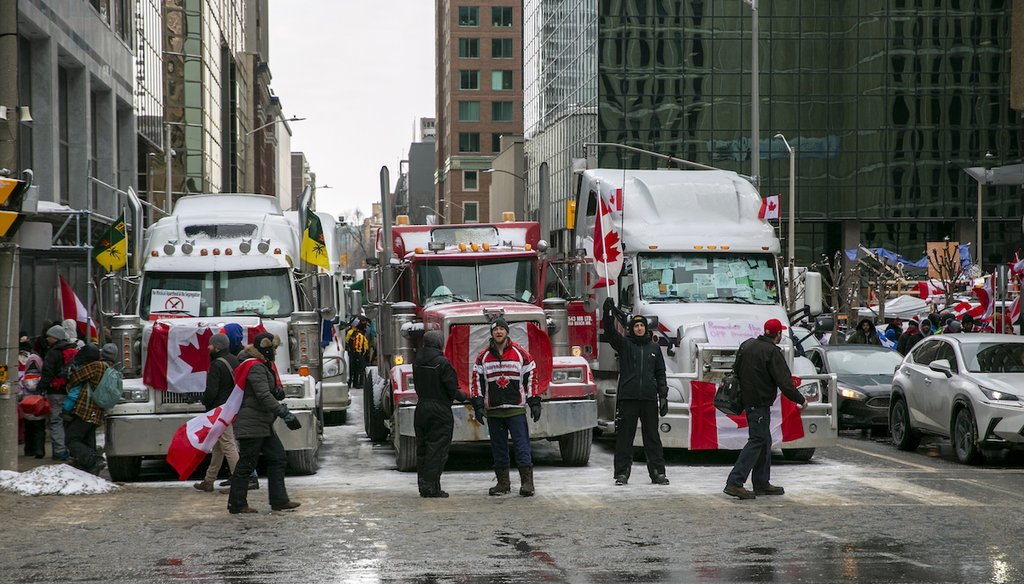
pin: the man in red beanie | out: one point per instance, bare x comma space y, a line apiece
762, 372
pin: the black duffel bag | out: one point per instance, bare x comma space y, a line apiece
728, 398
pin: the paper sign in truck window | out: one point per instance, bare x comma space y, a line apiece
174, 303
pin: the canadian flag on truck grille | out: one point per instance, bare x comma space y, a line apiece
465, 342
178, 355
710, 429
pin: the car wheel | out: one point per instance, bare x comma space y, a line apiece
903, 435
965, 438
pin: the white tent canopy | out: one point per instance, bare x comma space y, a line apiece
903, 307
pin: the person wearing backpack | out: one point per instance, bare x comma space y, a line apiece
220, 382
53, 383
35, 426
86, 414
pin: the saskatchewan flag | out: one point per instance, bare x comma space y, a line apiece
111, 251
314, 250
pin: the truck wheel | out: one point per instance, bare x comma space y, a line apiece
124, 468
405, 453
801, 454
335, 418
302, 462
374, 425
575, 447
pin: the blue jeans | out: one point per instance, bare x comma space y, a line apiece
757, 452
499, 429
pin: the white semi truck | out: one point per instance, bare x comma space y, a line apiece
217, 259
699, 262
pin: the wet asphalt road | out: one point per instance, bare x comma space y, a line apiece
859, 512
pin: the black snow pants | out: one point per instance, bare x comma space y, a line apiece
628, 412
433, 422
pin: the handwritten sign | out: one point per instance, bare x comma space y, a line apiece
730, 333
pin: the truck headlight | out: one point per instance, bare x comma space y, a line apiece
294, 390
332, 368
567, 375
135, 395
997, 395
850, 393
811, 391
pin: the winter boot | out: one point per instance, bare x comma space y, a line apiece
504, 485
526, 480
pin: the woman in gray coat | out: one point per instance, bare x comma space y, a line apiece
254, 429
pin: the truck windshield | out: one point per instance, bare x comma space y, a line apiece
708, 277
440, 281
244, 293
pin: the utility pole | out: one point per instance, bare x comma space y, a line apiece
10, 307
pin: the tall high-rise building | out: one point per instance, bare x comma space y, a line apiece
885, 103
479, 99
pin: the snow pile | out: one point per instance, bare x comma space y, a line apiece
54, 480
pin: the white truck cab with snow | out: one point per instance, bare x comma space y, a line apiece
703, 267
217, 259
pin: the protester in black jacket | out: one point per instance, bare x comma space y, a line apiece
254, 429
909, 338
642, 395
220, 382
437, 387
54, 385
762, 372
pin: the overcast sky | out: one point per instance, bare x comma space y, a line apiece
362, 73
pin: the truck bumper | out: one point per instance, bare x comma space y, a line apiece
150, 435
336, 394
558, 418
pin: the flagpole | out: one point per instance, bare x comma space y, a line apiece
88, 285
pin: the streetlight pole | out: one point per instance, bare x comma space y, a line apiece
791, 244
981, 174
436, 212
755, 98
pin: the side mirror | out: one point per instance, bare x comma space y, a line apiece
652, 323
812, 292
941, 366
325, 292
824, 324
109, 295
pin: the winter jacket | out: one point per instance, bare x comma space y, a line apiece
50, 380
908, 340
641, 364
504, 378
88, 374
433, 375
220, 380
859, 338
762, 371
259, 406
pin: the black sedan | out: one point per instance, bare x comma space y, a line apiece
864, 375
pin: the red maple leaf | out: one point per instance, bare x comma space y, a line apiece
771, 206
202, 433
611, 241
214, 416
502, 382
198, 356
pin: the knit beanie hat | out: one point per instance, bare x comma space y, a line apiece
220, 342
57, 331
109, 352
499, 322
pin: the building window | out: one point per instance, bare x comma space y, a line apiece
469, 111
469, 141
469, 48
501, 80
501, 16
501, 111
469, 16
501, 48
469, 79
471, 212
470, 180
496, 143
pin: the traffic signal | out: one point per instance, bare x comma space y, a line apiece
12, 192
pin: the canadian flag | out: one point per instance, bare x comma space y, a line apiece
986, 297
465, 342
1014, 314
607, 239
197, 437
769, 208
72, 308
710, 429
929, 288
178, 355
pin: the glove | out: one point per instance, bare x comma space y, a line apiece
609, 304
478, 409
292, 422
534, 403
663, 409
461, 397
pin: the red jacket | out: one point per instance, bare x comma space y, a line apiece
505, 380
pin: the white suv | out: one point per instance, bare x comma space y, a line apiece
967, 387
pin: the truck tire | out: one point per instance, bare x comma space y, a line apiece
799, 454
124, 469
302, 462
575, 447
373, 416
405, 453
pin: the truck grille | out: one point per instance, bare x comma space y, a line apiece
878, 402
169, 397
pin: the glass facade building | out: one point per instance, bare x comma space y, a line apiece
885, 104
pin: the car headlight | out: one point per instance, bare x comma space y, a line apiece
294, 390
567, 375
135, 395
849, 393
998, 395
811, 391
